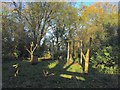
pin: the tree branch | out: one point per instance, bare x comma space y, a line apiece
28, 51
35, 48
83, 56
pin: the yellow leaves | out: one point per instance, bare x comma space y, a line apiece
93, 13
101, 14
100, 10
119, 14
27, 9
92, 29
114, 7
91, 8
89, 12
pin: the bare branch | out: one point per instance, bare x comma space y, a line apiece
35, 48
28, 51
28, 21
83, 56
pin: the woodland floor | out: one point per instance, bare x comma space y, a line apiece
32, 76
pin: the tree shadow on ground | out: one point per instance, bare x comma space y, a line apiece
92, 79
34, 73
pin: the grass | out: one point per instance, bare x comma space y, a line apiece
66, 76
75, 68
53, 64
31, 76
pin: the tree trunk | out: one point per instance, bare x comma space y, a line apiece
68, 52
57, 44
35, 60
78, 46
52, 50
73, 49
87, 61
81, 53
31, 55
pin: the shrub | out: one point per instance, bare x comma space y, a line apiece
104, 60
59, 54
47, 55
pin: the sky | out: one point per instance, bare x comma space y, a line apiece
85, 3
65, 0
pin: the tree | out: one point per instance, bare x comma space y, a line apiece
31, 51
39, 18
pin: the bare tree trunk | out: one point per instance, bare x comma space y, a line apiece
81, 53
53, 50
31, 57
68, 52
57, 44
73, 49
78, 46
31, 51
86, 60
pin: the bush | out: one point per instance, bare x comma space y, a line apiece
47, 55
61, 54
16, 53
104, 60
8, 57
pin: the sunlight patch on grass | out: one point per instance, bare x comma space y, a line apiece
39, 59
70, 76
53, 64
75, 68
65, 76
80, 78
67, 64
26, 60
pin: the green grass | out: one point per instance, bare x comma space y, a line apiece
75, 68
31, 76
53, 64
66, 76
